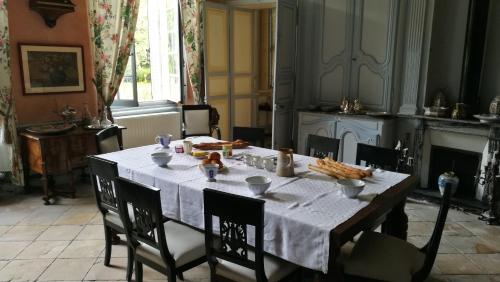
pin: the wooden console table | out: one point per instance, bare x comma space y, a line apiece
51, 155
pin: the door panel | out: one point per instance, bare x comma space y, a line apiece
242, 75
216, 24
244, 109
284, 89
217, 62
373, 49
335, 50
217, 86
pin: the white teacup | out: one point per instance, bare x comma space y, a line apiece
210, 171
249, 160
269, 164
163, 140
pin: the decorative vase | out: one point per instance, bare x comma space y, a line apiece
445, 178
105, 122
495, 106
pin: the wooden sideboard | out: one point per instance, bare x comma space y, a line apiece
60, 154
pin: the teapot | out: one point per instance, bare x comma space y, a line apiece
285, 164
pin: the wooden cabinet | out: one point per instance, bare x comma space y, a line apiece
354, 51
351, 130
50, 155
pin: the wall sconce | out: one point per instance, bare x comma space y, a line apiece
51, 10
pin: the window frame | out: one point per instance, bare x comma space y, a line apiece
134, 103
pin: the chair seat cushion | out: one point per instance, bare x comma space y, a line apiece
114, 218
185, 245
275, 268
382, 257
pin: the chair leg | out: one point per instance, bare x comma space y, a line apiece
138, 271
108, 241
171, 276
130, 263
180, 276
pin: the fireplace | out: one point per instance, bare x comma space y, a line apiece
465, 164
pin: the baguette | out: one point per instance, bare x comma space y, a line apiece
338, 171
323, 171
348, 169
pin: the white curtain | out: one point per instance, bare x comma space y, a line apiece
5, 151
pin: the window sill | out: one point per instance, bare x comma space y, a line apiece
143, 110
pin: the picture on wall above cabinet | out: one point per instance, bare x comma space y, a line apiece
48, 69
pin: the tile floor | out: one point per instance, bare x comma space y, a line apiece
65, 242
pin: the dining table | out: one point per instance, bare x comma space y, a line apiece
307, 218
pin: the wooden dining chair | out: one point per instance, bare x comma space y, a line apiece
108, 140
199, 120
103, 174
229, 255
321, 147
378, 157
168, 247
254, 135
382, 257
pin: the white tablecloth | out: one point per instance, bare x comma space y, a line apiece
300, 211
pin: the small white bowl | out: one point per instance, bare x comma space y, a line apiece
351, 187
258, 185
161, 158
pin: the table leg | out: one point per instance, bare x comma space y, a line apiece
396, 223
45, 185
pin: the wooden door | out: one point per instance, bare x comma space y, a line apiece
242, 71
217, 63
373, 52
284, 86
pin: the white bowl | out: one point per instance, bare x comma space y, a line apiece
161, 158
210, 171
258, 185
351, 187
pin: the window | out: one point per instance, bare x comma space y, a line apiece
153, 73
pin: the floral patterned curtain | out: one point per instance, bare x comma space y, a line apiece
192, 28
112, 27
7, 107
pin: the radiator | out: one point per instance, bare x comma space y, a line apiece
142, 129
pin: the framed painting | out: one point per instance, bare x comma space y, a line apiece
50, 69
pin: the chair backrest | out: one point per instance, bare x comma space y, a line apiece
196, 120
321, 147
107, 140
103, 174
235, 214
254, 135
145, 205
431, 248
379, 157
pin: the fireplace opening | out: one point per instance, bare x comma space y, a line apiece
465, 164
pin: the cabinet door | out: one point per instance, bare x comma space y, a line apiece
335, 50
373, 52
313, 124
351, 132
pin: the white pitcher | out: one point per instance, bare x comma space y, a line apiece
285, 164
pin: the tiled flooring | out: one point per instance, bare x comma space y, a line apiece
66, 242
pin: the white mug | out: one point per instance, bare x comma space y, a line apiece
249, 160
188, 146
163, 140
